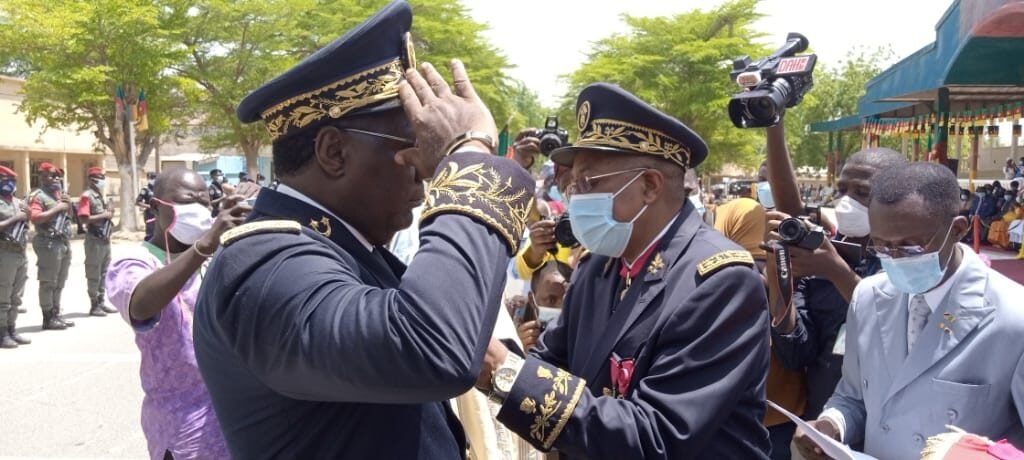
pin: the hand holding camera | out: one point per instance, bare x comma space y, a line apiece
810, 251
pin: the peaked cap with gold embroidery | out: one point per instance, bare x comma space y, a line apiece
613, 120
356, 74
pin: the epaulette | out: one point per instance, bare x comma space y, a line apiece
724, 259
259, 227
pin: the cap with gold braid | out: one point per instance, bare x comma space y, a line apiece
613, 120
356, 74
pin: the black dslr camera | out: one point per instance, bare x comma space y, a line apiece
552, 137
794, 232
563, 232
772, 84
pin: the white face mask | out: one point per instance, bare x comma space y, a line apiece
852, 218
191, 221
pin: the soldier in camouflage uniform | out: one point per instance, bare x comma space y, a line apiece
50, 209
13, 264
95, 213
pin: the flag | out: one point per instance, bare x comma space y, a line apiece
503, 142
143, 120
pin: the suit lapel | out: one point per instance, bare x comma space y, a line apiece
270, 203
890, 309
675, 240
960, 313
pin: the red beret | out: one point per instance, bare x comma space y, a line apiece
47, 167
95, 171
7, 171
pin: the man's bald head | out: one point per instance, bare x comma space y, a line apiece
879, 158
176, 179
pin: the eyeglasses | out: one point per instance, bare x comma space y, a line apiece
406, 143
896, 252
586, 184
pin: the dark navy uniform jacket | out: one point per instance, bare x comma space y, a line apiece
689, 345
314, 347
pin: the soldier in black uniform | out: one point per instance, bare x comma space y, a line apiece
142, 201
313, 339
661, 349
96, 213
50, 212
215, 190
13, 264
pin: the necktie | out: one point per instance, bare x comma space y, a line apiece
916, 320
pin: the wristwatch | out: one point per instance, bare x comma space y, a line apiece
504, 377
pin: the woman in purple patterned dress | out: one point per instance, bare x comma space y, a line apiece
154, 287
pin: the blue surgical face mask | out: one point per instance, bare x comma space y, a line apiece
99, 183
764, 195
593, 222
917, 274
55, 187
7, 187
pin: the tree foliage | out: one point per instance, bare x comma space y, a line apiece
835, 95
680, 64
75, 54
197, 59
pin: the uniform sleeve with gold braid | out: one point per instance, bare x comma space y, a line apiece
541, 402
495, 191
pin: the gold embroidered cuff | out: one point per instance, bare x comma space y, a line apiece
493, 190
629, 137
541, 402
371, 86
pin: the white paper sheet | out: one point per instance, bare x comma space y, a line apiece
831, 447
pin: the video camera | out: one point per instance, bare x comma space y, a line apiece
771, 84
552, 137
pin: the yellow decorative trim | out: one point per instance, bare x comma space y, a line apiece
656, 265
541, 429
255, 228
724, 258
352, 92
480, 191
566, 413
606, 132
326, 231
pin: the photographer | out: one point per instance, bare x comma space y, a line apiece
807, 326
543, 246
544, 304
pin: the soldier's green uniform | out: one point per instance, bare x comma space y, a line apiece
53, 251
97, 249
13, 272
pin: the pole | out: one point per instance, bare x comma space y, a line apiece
974, 161
131, 153
942, 131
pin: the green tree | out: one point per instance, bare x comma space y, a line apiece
680, 64
75, 54
235, 46
835, 95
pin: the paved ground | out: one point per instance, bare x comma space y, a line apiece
73, 393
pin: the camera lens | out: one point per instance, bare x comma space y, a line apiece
792, 230
563, 232
549, 142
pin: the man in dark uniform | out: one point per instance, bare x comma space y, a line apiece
661, 349
98, 216
142, 201
215, 190
50, 212
13, 264
314, 340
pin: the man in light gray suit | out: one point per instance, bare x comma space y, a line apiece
933, 341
